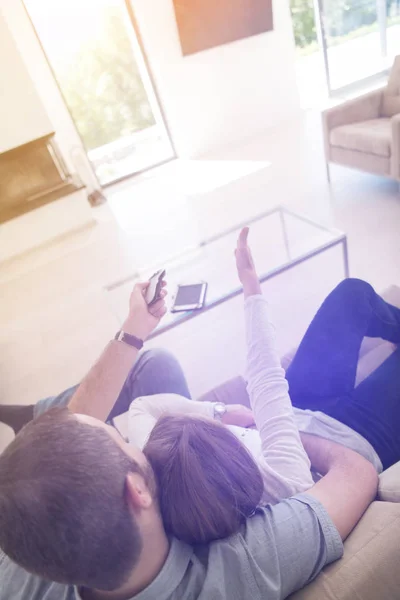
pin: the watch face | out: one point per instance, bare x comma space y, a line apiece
219, 409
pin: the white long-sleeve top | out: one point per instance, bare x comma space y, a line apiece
276, 446
283, 462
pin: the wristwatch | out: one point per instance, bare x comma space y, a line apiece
129, 339
219, 410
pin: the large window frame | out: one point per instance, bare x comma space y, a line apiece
324, 47
148, 82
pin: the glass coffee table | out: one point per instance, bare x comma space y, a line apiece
280, 239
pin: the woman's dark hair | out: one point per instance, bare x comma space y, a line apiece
64, 513
208, 482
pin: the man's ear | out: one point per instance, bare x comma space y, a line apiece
139, 496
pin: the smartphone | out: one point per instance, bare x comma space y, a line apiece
154, 289
190, 297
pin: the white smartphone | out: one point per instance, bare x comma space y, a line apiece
154, 289
190, 297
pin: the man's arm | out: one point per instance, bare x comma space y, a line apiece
293, 540
100, 388
349, 482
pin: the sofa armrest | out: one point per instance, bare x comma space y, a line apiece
395, 159
369, 568
389, 484
359, 109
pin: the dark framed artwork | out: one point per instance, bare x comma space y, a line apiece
204, 24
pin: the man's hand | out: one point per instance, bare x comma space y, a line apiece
245, 266
238, 414
143, 319
102, 385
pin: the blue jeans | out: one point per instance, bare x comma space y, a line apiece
155, 372
322, 374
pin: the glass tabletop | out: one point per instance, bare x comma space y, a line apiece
279, 239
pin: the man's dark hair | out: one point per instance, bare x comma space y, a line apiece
64, 513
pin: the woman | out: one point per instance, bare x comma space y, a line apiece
207, 481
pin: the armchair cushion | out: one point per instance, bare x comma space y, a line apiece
369, 137
391, 95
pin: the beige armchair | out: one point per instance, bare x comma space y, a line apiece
364, 133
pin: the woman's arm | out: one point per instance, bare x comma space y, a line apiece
284, 463
144, 413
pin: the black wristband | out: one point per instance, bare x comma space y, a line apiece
129, 339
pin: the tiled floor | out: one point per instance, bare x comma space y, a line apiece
55, 315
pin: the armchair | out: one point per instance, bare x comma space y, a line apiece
364, 133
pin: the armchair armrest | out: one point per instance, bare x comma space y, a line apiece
395, 159
359, 109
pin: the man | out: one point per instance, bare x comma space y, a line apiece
78, 506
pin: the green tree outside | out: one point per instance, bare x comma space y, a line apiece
103, 88
343, 20
303, 22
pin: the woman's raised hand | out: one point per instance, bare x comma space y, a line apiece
245, 266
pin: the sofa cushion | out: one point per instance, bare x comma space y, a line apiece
369, 569
372, 359
389, 484
391, 94
370, 137
233, 391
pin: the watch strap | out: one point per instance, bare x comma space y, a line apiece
127, 338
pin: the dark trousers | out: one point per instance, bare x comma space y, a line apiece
322, 374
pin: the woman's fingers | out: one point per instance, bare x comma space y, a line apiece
242, 241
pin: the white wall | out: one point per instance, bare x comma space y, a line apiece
225, 94
35, 62
42, 226
22, 115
